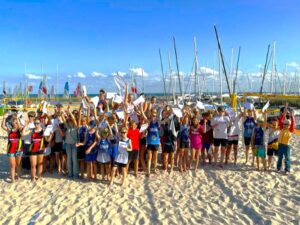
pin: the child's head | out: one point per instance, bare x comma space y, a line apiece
274, 122
123, 132
133, 124
286, 124
195, 121
260, 122
104, 133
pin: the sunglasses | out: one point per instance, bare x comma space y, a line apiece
30, 116
123, 132
37, 123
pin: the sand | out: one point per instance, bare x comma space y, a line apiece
236, 195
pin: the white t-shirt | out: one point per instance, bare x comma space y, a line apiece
234, 130
222, 124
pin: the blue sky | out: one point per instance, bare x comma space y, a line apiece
107, 36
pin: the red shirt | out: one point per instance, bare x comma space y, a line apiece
134, 136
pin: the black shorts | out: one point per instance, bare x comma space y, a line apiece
26, 149
184, 144
272, 152
143, 141
58, 147
153, 148
169, 148
81, 152
133, 155
40, 152
218, 142
233, 142
122, 165
247, 141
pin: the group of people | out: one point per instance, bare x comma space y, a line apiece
115, 137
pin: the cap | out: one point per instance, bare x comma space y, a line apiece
221, 109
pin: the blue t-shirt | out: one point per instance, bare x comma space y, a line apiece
153, 134
258, 136
249, 125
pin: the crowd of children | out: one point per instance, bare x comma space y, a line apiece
112, 135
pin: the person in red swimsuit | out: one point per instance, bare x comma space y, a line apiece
14, 146
36, 150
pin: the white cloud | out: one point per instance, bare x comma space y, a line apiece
122, 74
80, 75
34, 77
208, 71
138, 72
294, 65
97, 74
69, 76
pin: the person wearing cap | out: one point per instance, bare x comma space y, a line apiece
220, 124
90, 152
153, 141
121, 159
287, 113
248, 124
273, 133
284, 148
259, 142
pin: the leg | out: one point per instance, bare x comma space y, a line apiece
75, 161
253, 155
81, 164
247, 152
172, 162
149, 159
33, 162
269, 161
12, 162
155, 154
192, 158
287, 159
18, 166
264, 164
280, 156
197, 158
40, 159
165, 161
203, 155
107, 170
69, 160
142, 157
235, 149
88, 168
228, 151
216, 151
102, 171
58, 161
123, 175
112, 175
136, 166
186, 159
95, 170
223, 152
257, 161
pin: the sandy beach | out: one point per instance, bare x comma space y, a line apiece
236, 195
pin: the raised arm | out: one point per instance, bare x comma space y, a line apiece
3, 126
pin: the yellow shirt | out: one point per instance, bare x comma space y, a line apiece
284, 136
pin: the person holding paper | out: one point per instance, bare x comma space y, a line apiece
153, 142
71, 140
102, 104
220, 124
233, 136
121, 159
14, 145
195, 135
90, 152
249, 124
134, 136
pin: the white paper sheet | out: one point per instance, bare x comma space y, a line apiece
200, 105
144, 127
177, 112
120, 114
48, 130
266, 106
118, 99
110, 95
139, 100
95, 100
84, 103
84, 90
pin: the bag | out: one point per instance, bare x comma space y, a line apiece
47, 151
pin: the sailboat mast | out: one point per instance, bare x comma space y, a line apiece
231, 70
163, 75
172, 82
196, 91
265, 71
180, 87
220, 76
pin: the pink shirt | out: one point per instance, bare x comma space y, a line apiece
196, 137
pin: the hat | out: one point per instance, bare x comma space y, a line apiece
124, 129
260, 120
59, 104
92, 123
286, 122
220, 109
104, 132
